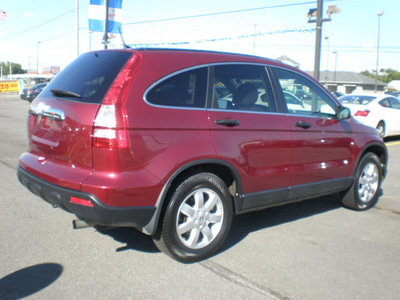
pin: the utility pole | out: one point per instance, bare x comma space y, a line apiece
380, 13
317, 12
317, 56
77, 26
105, 37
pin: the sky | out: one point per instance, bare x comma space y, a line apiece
42, 33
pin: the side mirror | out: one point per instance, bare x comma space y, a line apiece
343, 113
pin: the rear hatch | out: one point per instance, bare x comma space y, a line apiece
61, 119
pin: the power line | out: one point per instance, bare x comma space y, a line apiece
169, 19
223, 12
360, 49
56, 37
34, 27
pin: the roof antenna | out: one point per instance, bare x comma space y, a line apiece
123, 42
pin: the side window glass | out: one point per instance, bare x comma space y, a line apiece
187, 89
242, 88
302, 96
395, 103
384, 103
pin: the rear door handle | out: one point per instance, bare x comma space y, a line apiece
227, 122
302, 124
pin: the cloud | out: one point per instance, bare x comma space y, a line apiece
28, 15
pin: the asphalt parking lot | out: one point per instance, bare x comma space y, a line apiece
311, 250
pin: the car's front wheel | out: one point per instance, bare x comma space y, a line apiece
197, 219
364, 192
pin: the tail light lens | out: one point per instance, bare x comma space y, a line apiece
110, 126
106, 133
362, 113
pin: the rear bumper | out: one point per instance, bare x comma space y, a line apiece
96, 214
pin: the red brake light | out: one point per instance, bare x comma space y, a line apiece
110, 125
362, 113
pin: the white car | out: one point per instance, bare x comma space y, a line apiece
379, 111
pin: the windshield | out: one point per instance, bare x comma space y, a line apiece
87, 78
356, 99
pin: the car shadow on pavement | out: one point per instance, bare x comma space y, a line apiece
132, 238
247, 223
242, 225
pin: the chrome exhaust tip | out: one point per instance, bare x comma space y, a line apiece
78, 224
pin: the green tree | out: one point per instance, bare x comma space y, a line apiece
390, 75
15, 68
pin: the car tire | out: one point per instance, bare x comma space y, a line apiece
366, 188
381, 129
197, 219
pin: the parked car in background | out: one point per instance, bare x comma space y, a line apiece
32, 92
379, 111
293, 103
32, 96
177, 142
393, 93
338, 94
302, 95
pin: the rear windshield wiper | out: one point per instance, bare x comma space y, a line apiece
62, 93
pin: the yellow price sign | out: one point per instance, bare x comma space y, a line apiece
9, 87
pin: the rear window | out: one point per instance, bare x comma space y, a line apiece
89, 76
356, 99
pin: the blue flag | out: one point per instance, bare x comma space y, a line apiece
97, 15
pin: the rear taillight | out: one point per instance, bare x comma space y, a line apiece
362, 113
110, 126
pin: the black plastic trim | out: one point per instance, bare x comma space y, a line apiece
265, 199
99, 214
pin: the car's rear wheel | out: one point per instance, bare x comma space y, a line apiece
197, 219
366, 187
381, 129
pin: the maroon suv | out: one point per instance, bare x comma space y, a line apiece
175, 142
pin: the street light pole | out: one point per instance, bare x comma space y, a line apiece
327, 61
380, 13
334, 78
254, 40
37, 57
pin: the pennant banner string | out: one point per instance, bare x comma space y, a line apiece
135, 45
